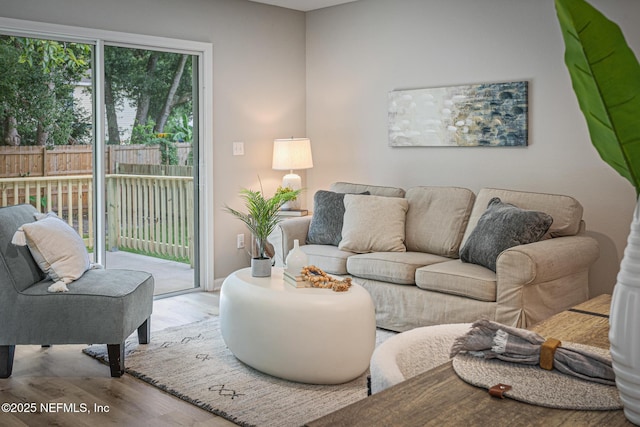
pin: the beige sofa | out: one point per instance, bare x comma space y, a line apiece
426, 283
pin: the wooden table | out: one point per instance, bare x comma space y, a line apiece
439, 397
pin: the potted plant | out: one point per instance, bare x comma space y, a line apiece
606, 79
261, 218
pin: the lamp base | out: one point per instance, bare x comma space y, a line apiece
294, 182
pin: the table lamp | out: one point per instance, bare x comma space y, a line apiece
292, 154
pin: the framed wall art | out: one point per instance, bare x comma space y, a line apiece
475, 115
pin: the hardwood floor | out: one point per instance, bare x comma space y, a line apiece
62, 374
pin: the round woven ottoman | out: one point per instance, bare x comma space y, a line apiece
307, 335
412, 352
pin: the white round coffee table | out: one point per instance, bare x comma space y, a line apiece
308, 335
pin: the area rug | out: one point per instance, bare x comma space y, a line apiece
193, 363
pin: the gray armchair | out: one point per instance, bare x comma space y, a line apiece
101, 307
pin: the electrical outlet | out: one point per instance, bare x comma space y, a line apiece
240, 241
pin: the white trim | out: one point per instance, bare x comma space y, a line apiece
90, 35
205, 170
99, 182
205, 53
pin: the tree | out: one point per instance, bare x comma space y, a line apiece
170, 99
38, 77
157, 84
37, 106
113, 132
144, 98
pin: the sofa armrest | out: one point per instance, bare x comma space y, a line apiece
540, 279
285, 233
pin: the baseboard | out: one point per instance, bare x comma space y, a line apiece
217, 284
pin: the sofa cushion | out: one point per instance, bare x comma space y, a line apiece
565, 210
376, 190
457, 278
108, 304
373, 224
392, 267
328, 215
501, 227
437, 218
329, 258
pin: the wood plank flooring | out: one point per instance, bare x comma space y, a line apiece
62, 374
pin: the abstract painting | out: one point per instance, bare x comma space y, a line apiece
476, 115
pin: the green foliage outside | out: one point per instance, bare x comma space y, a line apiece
38, 106
180, 129
145, 134
168, 151
37, 79
42, 201
157, 84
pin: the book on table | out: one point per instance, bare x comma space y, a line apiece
297, 281
293, 212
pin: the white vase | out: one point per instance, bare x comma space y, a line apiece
296, 259
624, 320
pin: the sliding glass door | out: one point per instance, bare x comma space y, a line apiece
106, 136
150, 173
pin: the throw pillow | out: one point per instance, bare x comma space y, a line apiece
373, 224
501, 227
57, 248
326, 222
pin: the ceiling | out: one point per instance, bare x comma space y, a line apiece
303, 5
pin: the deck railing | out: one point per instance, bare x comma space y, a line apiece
69, 196
150, 214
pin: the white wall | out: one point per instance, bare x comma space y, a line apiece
258, 83
358, 52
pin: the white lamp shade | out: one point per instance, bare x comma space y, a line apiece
292, 154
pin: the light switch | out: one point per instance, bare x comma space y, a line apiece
238, 148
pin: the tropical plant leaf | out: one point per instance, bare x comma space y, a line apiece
262, 214
606, 79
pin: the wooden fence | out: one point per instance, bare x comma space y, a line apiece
77, 159
151, 214
158, 170
38, 161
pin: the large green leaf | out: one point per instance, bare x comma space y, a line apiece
606, 79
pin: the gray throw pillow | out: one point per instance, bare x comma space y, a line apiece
328, 216
501, 227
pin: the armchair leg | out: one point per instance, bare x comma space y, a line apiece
6, 360
116, 359
144, 332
